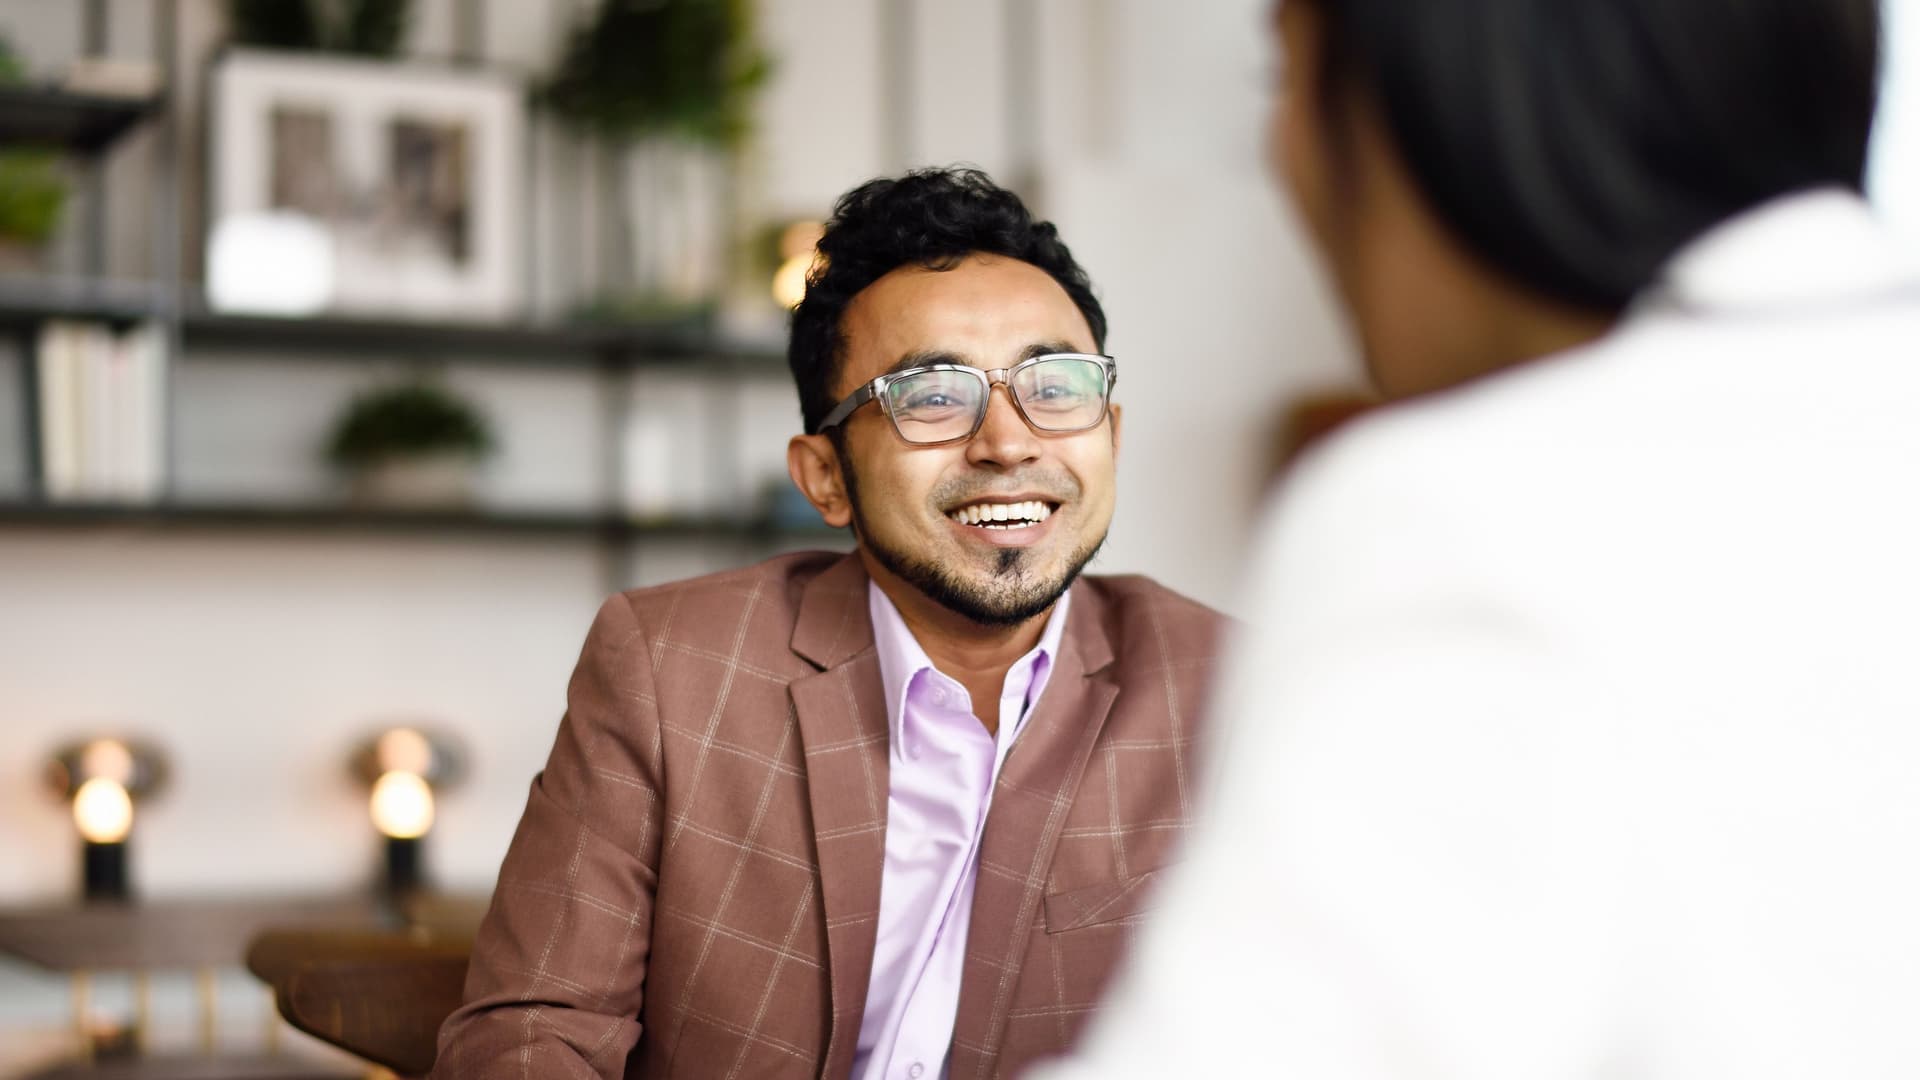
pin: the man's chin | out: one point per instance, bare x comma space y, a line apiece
1005, 586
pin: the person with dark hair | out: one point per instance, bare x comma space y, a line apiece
883, 815
1576, 731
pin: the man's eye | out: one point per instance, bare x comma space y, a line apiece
932, 399
1056, 392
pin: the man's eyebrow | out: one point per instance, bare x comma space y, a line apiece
1043, 348
926, 358
930, 357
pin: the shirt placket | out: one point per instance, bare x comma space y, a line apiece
924, 1021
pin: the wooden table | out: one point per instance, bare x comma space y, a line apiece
198, 935
194, 1068
171, 935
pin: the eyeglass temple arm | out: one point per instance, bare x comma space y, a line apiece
845, 408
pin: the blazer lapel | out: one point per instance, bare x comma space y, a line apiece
841, 711
1029, 810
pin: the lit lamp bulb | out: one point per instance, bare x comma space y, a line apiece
404, 767
799, 248
402, 806
103, 811
402, 809
103, 778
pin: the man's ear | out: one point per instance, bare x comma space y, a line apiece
1113, 420
814, 463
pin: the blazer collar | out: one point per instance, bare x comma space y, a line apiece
832, 626
841, 712
1030, 802
1814, 249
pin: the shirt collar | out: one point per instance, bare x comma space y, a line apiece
1812, 248
902, 658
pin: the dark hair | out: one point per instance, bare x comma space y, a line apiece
1576, 145
932, 218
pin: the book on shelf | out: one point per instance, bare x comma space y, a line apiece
102, 411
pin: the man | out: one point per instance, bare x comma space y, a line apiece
1580, 734
890, 814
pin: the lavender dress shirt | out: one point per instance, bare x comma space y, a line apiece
941, 769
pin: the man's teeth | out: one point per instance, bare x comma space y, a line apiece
1020, 515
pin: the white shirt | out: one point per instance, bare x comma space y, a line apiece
1579, 732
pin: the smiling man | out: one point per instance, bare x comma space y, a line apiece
891, 814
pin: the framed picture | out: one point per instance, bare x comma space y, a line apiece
410, 175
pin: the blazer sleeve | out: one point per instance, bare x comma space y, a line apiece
1408, 863
560, 962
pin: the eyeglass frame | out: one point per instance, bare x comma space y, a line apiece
874, 390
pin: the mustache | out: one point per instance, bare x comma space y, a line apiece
1053, 485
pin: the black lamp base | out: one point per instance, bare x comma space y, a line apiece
406, 871
103, 872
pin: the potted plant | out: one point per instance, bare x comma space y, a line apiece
667, 88
410, 444
358, 27
33, 190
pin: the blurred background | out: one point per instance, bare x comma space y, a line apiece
352, 350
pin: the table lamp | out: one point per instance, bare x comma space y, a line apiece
403, 767
103, 778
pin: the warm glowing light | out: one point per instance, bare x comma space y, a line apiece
799, 244
402, 805
800, 238
103, 811
403, 750
790, 281
108, 759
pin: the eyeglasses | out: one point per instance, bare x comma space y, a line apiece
1058, 393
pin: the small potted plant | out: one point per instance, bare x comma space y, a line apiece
412, 444
357, 27
667, 87
33, 191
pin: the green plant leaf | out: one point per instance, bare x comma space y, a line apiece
405, 420
273, 24
33, 192
376, 27
661, 67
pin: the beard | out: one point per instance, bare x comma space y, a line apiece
1014, 589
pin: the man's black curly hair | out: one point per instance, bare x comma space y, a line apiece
932, 218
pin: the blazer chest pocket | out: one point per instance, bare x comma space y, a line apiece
1101, 903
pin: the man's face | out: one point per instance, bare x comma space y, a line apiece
986, 312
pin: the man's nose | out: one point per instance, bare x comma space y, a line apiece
1004, 437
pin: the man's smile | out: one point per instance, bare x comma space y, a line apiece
1004, 514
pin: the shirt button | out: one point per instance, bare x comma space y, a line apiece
914, 1071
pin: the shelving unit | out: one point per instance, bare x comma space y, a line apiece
65, 120
338, 518
91, 126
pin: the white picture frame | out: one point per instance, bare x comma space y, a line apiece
413, 172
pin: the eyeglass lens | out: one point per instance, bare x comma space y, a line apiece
1063, 394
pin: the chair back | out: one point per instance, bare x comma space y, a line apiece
379, 994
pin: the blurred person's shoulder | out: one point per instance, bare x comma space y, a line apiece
1446, 445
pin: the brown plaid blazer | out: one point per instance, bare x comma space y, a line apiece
694, 888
